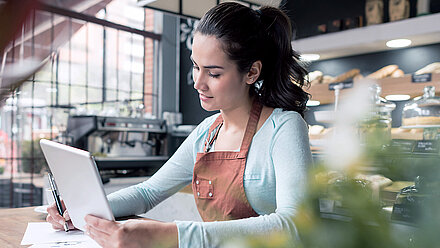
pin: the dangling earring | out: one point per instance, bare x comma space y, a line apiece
258, 84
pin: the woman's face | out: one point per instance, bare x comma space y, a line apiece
216, 78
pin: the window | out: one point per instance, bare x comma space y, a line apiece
93, 68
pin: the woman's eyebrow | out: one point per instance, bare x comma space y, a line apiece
208, 66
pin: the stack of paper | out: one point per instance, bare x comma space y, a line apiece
42, 235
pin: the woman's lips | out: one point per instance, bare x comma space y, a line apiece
204, 97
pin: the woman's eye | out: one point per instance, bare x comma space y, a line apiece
195, 67
214, 75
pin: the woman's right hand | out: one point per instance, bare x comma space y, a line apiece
56, 219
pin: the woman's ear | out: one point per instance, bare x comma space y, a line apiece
254, 72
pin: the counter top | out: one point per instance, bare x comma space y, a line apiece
13, 224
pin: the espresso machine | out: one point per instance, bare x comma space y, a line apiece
120, 143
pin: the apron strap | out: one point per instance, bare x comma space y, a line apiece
251, 127
217, 124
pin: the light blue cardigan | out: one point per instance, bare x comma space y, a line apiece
274, 182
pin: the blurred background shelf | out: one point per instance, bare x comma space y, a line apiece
400, 85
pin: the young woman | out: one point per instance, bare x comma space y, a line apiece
247, 164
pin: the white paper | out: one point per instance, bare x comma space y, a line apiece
42, 232
71, 244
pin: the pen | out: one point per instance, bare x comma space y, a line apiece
56, 197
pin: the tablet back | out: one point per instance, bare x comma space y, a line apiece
78, 181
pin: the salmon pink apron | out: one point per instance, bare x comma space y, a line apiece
217, 181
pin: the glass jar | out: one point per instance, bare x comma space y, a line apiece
377, 123
423, 111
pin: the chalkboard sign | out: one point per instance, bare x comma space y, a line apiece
402, 146
426, 146
422, 78
404, 212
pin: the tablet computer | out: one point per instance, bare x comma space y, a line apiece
78, 181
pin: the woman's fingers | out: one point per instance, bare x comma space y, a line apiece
104, 232
102, 238
102, 225
66, 215
55, 224
53, 212
56, 219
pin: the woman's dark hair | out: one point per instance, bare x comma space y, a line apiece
249, 35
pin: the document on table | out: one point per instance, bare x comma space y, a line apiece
41, 235
72, 244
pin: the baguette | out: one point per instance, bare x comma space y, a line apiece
397, 73
346, 76
357, 77
383, 72
431, 68
326, 79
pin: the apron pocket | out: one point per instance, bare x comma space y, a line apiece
204, 188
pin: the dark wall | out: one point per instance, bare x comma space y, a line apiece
189, 101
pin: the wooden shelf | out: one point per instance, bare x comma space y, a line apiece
401, 85
422, 30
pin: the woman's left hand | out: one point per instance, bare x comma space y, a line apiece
132, 233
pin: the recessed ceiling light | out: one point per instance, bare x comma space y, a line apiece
398, 43
309, 57
311, 103
397, 97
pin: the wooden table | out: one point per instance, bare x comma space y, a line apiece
13, 223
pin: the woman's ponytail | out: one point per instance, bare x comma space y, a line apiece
282, 75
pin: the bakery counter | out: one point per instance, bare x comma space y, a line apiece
406, 84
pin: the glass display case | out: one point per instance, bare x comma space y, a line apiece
379, 117
423, 112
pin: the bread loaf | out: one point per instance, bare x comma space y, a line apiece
383, 72
431, 68
346, 76
397, 73
326, 79
357, 77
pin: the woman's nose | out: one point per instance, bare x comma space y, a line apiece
199, 81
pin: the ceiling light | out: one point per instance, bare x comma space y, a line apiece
312, 103
398, 43
309, 57
397, 97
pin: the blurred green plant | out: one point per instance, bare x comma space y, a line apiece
36, 161
356, 219
363, 224
2, 170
